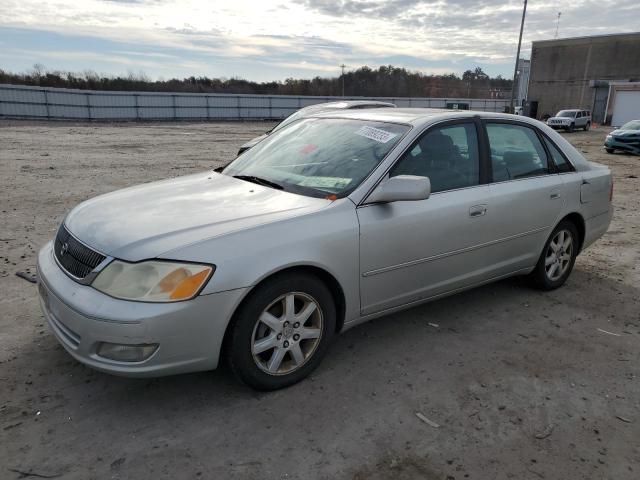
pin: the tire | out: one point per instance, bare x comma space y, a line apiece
571, 127
265, 346
609, 150
546, 277
587, 126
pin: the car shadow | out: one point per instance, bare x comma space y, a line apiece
502, 342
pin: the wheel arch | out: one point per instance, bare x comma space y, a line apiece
322, 274
578, 221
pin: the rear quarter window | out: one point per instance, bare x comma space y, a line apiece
562, 164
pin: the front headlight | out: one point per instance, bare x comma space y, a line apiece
152, 281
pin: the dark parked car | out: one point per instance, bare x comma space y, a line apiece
626, 138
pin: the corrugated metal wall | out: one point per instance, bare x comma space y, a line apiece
60, 103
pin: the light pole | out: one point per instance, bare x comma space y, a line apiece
343, 66
515, 72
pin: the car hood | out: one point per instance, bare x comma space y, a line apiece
625, 133
147, 220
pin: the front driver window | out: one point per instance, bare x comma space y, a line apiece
447, 155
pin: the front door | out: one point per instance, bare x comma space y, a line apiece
410, 251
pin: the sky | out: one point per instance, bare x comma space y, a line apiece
264, 40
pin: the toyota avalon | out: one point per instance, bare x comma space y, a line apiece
327, 223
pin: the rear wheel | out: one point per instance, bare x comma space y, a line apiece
558, 256
609, 150
282, 331
587, 126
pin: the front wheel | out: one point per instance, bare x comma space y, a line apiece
609, 150
558, 256
282, 331
570, 128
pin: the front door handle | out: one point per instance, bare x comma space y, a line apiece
554, 195
477, 211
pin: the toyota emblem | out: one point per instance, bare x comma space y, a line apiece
64, 249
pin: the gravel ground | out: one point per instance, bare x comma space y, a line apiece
523, 384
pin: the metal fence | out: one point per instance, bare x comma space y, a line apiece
61, 103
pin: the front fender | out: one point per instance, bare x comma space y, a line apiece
327, 239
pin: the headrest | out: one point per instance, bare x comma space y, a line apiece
437, 148
518, 163
515, 158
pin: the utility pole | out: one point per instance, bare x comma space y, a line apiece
558, 24
343, 66
515, 72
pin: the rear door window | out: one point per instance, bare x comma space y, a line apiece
516, 152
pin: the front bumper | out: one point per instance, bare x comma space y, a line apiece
626, 146
189, 333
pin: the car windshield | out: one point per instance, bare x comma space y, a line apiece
632, 125
566, 113
319, 156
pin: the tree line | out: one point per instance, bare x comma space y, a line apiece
385, 81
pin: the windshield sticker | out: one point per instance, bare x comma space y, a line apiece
325, 182
376, 134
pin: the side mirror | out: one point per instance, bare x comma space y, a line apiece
401, 188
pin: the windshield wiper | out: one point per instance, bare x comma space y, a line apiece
259, 181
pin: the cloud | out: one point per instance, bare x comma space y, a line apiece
275, 39
378, 8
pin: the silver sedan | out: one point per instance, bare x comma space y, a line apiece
327, 223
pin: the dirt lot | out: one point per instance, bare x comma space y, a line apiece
524, 384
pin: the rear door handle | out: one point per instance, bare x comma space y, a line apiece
477, 211
554, 195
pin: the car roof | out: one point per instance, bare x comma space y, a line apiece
345, 105
416, 116
359, 103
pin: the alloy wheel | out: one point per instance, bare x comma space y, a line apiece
559, 254
287, 333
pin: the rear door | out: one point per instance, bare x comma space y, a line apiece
526, 193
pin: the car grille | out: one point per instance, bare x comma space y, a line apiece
77, 259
